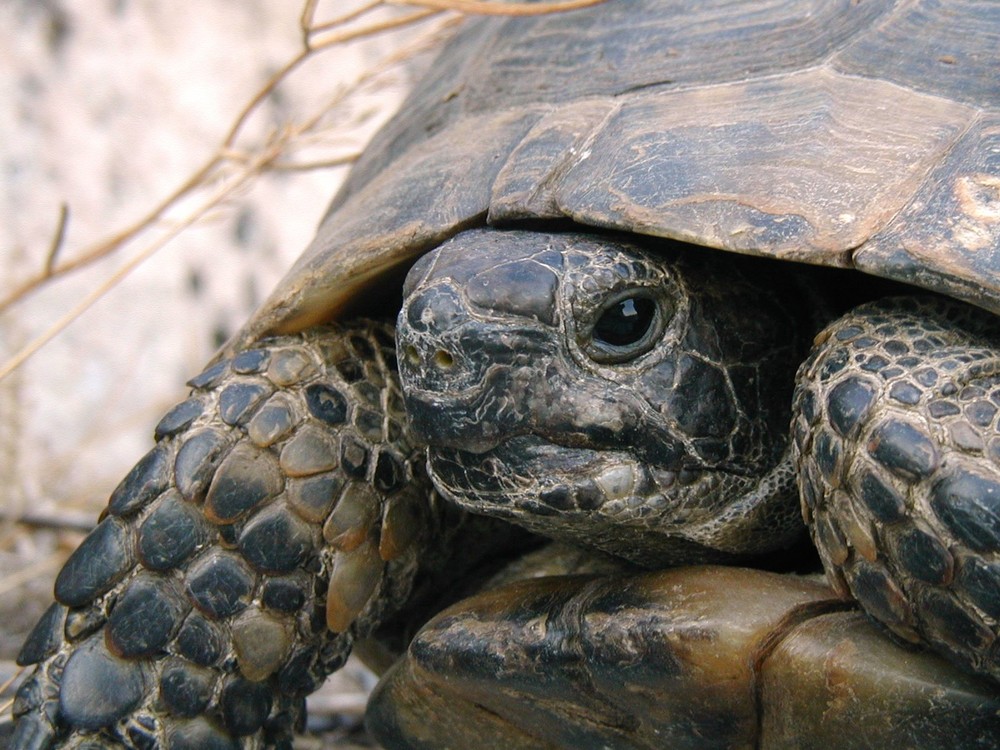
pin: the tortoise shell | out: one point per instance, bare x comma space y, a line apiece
832, 132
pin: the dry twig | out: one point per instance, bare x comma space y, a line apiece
493, 8
316, 37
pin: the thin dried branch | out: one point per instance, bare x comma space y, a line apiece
109, 245
312, 46
5, 685
487, 8
306, 166
57, 239
333, 23
229, 188
66, 520
306, 19
349, 35
202, 175
315, 38
15, 673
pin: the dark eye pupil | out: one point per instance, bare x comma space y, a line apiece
625, 322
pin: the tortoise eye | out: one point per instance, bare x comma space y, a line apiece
627, 327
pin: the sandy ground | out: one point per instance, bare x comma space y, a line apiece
108, 106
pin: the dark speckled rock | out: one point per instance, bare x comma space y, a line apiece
96, 565
122, 681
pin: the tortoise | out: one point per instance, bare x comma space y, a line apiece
582, 486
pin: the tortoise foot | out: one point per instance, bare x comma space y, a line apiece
278, 518
896, 427
700, 658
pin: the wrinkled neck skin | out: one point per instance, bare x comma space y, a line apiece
631, 399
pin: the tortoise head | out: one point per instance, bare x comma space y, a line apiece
589, 389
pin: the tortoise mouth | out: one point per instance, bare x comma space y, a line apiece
600, 498
585, 495
529, 470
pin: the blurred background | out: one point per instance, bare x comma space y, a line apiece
109, 106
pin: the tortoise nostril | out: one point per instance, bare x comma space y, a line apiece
443, 359
412, 355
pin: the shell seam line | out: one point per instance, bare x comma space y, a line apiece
777, 635
897, 9
932, 167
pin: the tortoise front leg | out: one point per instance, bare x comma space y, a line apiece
695, 658
896, 426
278, 518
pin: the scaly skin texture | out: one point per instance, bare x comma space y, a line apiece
527, 418
898, 438
592, 391
278, 518
671, 448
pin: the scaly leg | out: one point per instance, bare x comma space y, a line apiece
896, 426
279, 517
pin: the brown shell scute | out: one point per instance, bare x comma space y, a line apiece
948, 237
830, 132
949, 49
753, 181
428, 195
